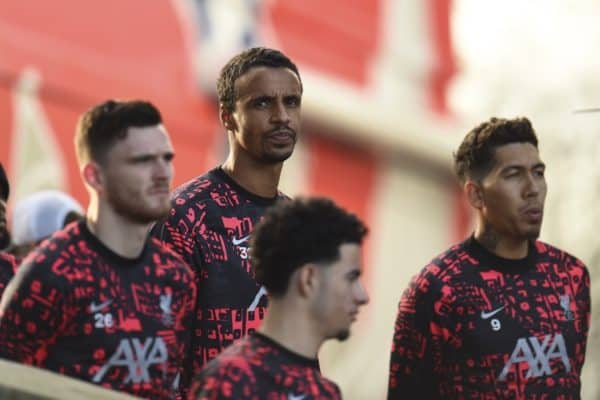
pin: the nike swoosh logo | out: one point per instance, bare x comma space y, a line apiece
94, 308
237, 242
486, 315
294, 397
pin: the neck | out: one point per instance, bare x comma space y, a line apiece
120, 235
502, 246
261, 179
287, 324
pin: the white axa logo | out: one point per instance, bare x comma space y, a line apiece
538, 355
137, 356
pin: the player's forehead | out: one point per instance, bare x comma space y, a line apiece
144, 140
268, 81
521, 154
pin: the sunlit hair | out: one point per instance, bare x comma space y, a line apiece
102, 125
296, 232
244, 61
474, 158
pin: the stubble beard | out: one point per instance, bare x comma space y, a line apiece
490, 237
135, 211
533, 234
270, 156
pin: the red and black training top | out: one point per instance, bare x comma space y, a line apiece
472, 325
8, 266
257, 367
210, 224
77, 308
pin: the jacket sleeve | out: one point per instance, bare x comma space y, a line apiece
223, 381
32, 311
411, 374
178, 233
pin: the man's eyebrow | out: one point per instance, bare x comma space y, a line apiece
539, 165
150, 156
522, 167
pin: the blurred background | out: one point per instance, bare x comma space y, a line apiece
391, 87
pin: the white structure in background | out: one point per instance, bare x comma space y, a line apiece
225, 27
539, 59
37, 160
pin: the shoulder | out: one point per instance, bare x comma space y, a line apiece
448, 263
7, 261
554, 253
561, 262
189, 201
167, 257
195, 190
61, 245
234, 363
186, 199
330, 389
438, 278
54, 257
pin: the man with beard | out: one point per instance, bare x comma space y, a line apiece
213, 215
502, 314
100, 300
307, 253
8, 263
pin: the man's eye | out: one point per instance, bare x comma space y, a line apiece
261, 103
143, 160
292, 101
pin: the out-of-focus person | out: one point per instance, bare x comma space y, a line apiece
39, 215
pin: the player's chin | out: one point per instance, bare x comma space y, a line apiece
277, 155
151, 214
162, 210
343, 334
532, 232
159, 205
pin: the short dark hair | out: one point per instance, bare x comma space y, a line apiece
241, 63
4, 185
295, 232
474, 158
102, 125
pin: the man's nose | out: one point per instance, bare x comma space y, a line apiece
280, 113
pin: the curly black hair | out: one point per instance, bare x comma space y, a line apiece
241, 63
105, 123
474, 158
296, 232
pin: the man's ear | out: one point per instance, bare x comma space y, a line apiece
474, 194
226, 117
92, 176
307, 279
